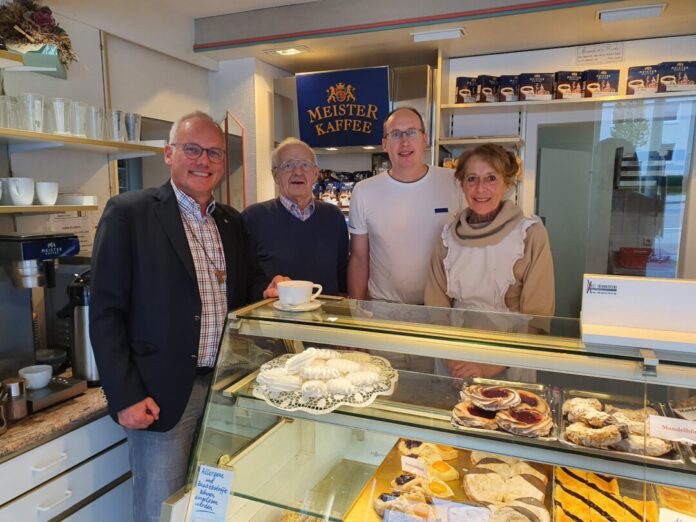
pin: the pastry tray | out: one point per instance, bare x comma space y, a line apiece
540, 389
674, 457
362, 509
294, 400
687, 449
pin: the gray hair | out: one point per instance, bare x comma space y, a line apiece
288, 142
199, 115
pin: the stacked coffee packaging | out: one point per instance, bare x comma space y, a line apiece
644, 79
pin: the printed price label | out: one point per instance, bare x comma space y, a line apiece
213, 490
415, 466
678, 430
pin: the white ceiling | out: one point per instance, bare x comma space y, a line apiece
203, 8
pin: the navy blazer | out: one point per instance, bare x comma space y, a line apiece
145, 305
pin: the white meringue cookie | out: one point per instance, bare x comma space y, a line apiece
370, 367
314, 389
295, 363
358, 357
362, 378
340, 386
278, 380
344, 365
325, 353
319, 372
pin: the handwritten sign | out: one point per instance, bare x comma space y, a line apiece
678, 430
688, 412
213, 490
667, 515
599, 53
415, 466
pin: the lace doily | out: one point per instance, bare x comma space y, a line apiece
360, 397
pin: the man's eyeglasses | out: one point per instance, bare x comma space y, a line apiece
194, 151
290, 165
408, 133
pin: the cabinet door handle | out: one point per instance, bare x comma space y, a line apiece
65, 497
62, 457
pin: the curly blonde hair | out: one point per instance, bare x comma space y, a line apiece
502, 160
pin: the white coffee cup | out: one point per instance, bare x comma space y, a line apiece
507, 91
593, 87
464, 93
636, 84
526, 90
21, 191
293, 293
668, 80
47, 192
487, 91
564, 88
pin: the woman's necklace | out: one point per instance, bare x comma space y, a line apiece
219, 274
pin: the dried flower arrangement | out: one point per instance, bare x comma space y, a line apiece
27, 22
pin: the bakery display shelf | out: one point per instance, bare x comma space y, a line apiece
554, 105
44, 209
25, 141
433, 424
365, 325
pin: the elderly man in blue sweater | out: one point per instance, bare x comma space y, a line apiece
294, 234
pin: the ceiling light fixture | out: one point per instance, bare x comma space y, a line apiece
331, 148
288, 51
630, 13
369, 147
440, 34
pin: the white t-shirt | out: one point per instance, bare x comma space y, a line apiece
404, 221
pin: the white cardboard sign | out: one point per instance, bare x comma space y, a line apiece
599, 53
213, 490
667, 515
415, 466
678, 430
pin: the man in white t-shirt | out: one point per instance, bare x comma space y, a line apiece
397, 217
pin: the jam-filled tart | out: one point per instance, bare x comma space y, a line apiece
491, 398
525, 421
468, 414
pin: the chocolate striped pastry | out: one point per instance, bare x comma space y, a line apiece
530, 468
522, 486
525, 421
476, 456
580, 496
501, 467
513, 514
484, 485
535, 506
491, 398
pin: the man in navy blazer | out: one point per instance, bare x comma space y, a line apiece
167, 265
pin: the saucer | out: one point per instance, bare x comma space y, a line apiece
306, 307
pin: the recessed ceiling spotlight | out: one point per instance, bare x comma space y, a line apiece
630, 13
288, 51
439, 34
331, 148
369, 147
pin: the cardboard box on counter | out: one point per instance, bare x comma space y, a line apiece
677, 76
487, 88
569, 84
466, 89
601, 82
508, 88
535, 86
642, 79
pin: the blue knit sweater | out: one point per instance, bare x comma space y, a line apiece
314, 250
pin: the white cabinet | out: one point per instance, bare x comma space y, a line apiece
114, 506
48, 480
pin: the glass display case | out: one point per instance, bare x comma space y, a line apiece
504, 415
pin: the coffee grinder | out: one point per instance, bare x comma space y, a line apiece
30, 261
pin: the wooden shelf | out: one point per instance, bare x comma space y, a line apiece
10, 59
552, 105
24, 141
44, 209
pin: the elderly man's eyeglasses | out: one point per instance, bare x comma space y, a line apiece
194, 151
290, 165
408, 133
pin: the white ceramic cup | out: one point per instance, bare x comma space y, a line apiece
47, 192
464, 93
593, 87
636, 84
293, 293
668, 80
564, 88
487, 91
527, 90
21, 191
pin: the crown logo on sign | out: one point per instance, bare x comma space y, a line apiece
340, 93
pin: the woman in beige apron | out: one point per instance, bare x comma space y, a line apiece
491, 258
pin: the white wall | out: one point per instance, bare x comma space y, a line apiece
153, 84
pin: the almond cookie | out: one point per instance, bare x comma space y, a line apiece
583, 435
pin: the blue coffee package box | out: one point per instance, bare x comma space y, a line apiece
677, 76
487, 88
601, 82
569, 84
508, 87
535, 86
466, 89
642, 79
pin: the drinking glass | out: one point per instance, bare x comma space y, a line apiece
94, 122
115, 123
133, 126
8, 112
78, 119
31, 111
58, 116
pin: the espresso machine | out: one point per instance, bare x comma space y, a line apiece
29, 264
